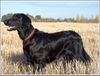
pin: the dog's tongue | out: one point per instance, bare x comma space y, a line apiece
10, 28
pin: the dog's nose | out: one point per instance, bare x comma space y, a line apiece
6, 21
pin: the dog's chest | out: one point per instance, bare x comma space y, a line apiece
34, 48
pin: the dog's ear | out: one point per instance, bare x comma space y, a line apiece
25, 18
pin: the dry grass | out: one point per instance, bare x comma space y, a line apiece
14, 61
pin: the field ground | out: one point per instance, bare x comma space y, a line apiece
14, 61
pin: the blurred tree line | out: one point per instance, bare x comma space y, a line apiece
38, 18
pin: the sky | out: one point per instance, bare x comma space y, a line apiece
53, 9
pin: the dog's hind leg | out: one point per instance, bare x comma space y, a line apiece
68, 51
64, 65
41, 68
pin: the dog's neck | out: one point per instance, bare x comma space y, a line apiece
26, 33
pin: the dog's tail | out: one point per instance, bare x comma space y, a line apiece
85, 58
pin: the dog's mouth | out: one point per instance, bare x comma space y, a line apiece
11, 28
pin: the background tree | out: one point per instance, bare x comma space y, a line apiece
78, 19
97, 18
38, 18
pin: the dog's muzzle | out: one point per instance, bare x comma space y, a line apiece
11, 28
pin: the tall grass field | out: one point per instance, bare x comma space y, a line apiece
14, 61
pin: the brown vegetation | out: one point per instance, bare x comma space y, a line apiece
12, 52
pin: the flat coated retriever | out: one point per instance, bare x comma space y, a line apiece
41, 48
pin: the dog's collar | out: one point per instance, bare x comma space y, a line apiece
30, 35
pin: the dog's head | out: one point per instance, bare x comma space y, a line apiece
17, 21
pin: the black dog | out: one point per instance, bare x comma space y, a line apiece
42, 48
